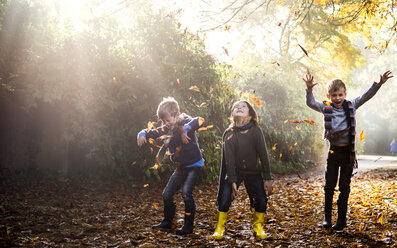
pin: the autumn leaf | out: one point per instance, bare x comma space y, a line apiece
362, 136
227, 27
331, 151
309, 121
304, 50
114, 80
226, 50
331, 17
155, 206
154, 167
211, 90
150, 125
195, 88
281, 155
290, 149
133, 163
201, 121
381, 219
202, 105
327, 103
255, 100
178, 81
205, 128
286, 121
274, 147
298, 128
145, 185
360, 227
240, 94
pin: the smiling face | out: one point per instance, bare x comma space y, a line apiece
240, 110
337, 97
170, 121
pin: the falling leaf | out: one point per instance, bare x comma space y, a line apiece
241, 93
331, 151
255, 100
178, 81
290, 149
154, 167
202, 105
362, 136
331, 17
294, 121
145, 185
195, 88
226, 50
274, 147
298, 128
327, 103
285, 121
205, 128
309, 121
114, 80
150, 125
227, 27
155, 206
281, 155
304, 50
200, 121
133, 163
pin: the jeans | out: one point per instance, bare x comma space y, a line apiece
340, 158
184, 178
255, 189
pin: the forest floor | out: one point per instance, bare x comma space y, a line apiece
66, 213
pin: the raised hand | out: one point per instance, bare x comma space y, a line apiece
309, 81
384, 77
141, 140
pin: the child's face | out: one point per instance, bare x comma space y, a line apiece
337, 97
170, 121
240, 110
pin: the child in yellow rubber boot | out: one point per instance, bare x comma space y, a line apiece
243, 147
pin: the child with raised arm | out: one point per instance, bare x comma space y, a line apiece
187, 156
339, 130
243, 147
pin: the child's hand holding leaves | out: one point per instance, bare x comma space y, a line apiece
309, 81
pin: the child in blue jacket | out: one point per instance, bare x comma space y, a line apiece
185, 153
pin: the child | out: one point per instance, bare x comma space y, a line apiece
186, 155
243, 144
339, 125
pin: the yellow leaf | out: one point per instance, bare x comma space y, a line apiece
290, 149
330, 151
145, 185
298, 128
327, 103
281, 155
285, 121
362, 136
360, 228
381, 219
202, 105
274, 147
195, 88
255, 100
155, 167
328, 241
331, 17
200, 121
227, 27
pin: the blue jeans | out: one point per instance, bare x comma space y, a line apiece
255, 190
184, 178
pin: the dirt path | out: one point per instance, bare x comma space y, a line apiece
114, 214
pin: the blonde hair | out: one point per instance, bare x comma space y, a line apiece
168, 106
334, 85
252, 113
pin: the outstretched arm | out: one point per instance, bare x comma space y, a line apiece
310, 101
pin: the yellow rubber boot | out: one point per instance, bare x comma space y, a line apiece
258, 223
220, 226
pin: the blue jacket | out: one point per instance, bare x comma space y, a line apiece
182, 154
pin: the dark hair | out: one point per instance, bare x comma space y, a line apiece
251, 113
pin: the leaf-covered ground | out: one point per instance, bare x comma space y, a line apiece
116, 214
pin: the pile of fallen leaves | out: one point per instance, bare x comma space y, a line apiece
66, 213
